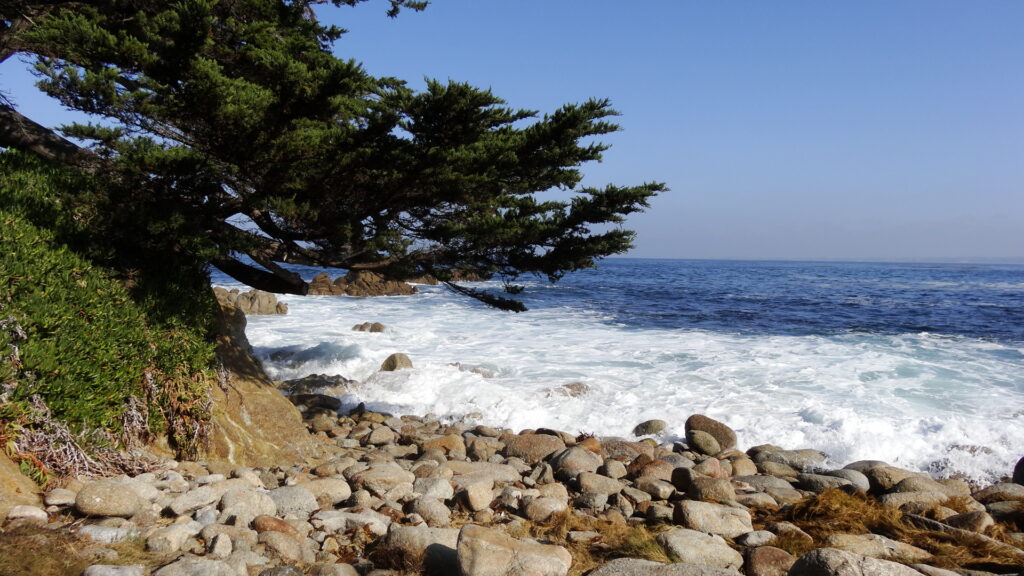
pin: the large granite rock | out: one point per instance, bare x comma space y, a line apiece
692, 547
533, 448
712, 518
253, 423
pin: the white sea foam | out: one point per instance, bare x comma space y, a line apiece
942, 404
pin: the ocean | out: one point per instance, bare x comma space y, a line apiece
915, 364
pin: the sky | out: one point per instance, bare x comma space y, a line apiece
785, 130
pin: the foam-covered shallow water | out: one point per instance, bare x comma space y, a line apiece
919, 366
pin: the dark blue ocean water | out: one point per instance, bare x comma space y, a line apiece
799, 298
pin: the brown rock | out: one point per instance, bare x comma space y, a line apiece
271, 524
533, 448
767, 561
724, 435
487, 552
397, 361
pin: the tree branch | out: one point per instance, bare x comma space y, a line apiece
261, 279
22, 133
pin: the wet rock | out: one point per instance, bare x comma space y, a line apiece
397, 361
712, 518
650, 428
369, 327
487, 552
799, 460
693, 547
1018, 472
703, 442
722, 434
106, 498
832, 562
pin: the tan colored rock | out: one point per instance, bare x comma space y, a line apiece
107, 498
693, 547
832, 562
876, 546
488, 552
16, 489
712, 518
271, 524
253, 423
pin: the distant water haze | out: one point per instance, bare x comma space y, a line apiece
918, 365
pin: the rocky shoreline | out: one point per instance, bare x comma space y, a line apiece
384, 495
396, 495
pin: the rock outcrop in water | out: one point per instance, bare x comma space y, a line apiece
358, 283
252, 302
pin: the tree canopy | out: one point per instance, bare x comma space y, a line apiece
230, 135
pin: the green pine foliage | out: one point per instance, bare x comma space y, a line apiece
73, 335
221, 112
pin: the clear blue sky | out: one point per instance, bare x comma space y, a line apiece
866, 129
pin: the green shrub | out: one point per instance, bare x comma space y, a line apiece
107, 362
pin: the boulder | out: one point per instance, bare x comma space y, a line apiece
533, 448
1018, 472
1002, 492
832, 562
876, 546
711, 489
107, 498
253, 423
592, 483
693, 547
294, 500
570, 462
435, 545
397, 361
799, 460
650, 428
367, 283
487, 552
375, 327
722, 434
380, 478
702, 442
767, 561
818, 483
712, 518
